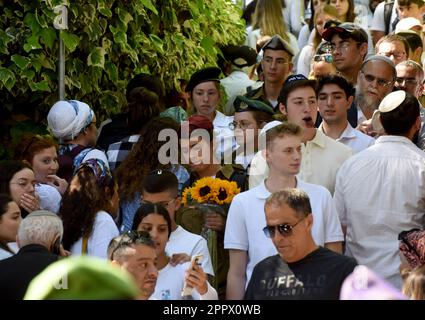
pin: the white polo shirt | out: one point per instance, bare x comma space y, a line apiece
246, 220
353, 138
321, 158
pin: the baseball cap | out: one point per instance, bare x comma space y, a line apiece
346, 30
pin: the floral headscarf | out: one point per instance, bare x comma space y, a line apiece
412, 246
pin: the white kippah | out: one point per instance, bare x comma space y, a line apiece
66, 119
392, 101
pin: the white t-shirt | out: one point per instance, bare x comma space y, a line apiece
170, 283
104, 230
183, 241
378, 21
50, 197
246, 220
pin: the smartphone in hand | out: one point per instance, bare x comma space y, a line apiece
187, 291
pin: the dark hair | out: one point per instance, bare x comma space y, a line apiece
143, 105
413, 39
5, 199
282, 130
151, 208
160, 181
261, 117
350, 13
403, 3
118, 245
296, 199
286, 90
8, 169
399, 121
79, 206
143, 158
337, 80
31, 144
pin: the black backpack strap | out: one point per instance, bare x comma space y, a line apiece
388, 8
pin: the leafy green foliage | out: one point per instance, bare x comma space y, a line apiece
106, 44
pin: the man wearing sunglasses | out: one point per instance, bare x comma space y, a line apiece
244, 235
301, 269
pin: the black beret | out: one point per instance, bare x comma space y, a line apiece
242, 104
240, 56
203, 75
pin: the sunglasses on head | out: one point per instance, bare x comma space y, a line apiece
285, 229
323, 57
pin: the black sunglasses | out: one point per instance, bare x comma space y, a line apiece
284, 229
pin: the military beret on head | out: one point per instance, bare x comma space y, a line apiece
203, 75
242, 104
278, 43
240, 56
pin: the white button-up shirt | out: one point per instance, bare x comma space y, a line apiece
353, 138
379, 193
321, 158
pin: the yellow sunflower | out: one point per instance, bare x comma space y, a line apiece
203, 190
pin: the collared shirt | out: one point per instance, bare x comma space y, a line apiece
321, 158
353, 138
379, 193
246, 220
118, 151
360, 116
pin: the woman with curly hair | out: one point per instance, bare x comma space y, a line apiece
88, 208
143, 158
40, 153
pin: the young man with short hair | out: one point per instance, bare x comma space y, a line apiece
322, 156
276, 64
302, 269
335, 96
349, 48
244, 236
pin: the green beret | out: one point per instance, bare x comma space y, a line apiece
82, 278
242, 104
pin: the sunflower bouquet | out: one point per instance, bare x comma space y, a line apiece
211, 190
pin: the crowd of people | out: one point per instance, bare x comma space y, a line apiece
318, 121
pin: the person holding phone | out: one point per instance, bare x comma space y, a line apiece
154, 219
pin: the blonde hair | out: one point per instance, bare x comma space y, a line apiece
414, 284
268, 17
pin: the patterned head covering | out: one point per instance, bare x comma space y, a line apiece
100, 169
412, 246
